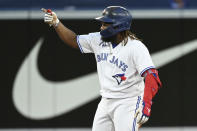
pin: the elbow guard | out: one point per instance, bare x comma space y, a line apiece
152, 83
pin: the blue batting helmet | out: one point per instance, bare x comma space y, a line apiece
119, 17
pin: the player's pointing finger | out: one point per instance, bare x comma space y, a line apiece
44, 10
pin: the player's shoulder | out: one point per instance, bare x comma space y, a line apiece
91, 35
94, 37
95, 34
135, 44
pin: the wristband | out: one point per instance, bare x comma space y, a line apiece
56, 23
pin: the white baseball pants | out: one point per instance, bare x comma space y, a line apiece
116, 114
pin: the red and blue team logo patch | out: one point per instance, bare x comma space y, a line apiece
119, 78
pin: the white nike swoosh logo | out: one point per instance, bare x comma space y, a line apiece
39, 99
166, 56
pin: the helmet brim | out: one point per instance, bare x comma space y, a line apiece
104, 19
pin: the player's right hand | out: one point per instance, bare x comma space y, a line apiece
50, 17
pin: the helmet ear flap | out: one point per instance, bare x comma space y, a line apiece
115, 28
108, 32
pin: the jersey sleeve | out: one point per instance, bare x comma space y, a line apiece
85, 43
142, 58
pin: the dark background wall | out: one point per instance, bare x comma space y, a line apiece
174, 105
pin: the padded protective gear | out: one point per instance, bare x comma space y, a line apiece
152, 84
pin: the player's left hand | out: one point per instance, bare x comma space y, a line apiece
143, 112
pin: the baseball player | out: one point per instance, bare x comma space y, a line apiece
127, 75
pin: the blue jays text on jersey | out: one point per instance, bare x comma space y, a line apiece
114, 60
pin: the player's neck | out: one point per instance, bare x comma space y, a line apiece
119, 39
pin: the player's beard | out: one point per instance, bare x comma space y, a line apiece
112, 39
